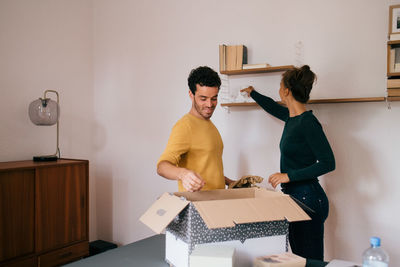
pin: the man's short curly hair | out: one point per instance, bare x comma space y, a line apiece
203, 76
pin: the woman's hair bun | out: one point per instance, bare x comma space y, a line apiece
305, 68
299, 81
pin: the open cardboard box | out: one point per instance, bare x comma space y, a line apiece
256, 219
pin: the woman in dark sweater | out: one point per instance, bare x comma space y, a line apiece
305, 155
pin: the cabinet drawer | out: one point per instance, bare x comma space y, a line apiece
64, 255
29, 262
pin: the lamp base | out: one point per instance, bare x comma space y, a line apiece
45, 158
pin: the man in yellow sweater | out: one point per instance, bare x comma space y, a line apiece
193, 155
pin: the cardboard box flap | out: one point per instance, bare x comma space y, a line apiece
216, 213
264, 192
227, 213
291, 209
296, 212
265, 209
163, 211
281, 208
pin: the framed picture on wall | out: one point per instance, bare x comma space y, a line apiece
394, 20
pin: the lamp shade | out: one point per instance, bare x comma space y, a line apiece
44, 111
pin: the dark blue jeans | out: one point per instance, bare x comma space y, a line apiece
307, 237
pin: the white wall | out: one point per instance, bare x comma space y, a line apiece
46, 44
142, 54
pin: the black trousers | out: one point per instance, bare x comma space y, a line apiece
307, 237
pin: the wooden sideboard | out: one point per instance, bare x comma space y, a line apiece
44, 212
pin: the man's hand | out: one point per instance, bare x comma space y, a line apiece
191, 180
278, 178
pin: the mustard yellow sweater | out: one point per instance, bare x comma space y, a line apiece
196, 144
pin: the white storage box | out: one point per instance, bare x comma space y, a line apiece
254, 221
212, 256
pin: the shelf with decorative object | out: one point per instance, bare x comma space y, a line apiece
257, 70
321, 101
283, 68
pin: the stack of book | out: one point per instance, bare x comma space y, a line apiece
232, 57
393, 87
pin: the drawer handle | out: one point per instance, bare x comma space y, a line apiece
66, 254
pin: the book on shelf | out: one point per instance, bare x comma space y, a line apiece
394, 37
241, 56
393, 91
222, 59
393, 83
391, 60
232, 57
255, 66
394, 59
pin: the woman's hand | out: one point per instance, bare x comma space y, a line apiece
228, 181
248, 90
278, 178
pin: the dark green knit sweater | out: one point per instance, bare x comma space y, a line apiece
305, 151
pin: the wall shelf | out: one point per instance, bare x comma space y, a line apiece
393, 42
258, 70
393, 98
322, 101
313, 101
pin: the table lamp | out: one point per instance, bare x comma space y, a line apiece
46, 112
